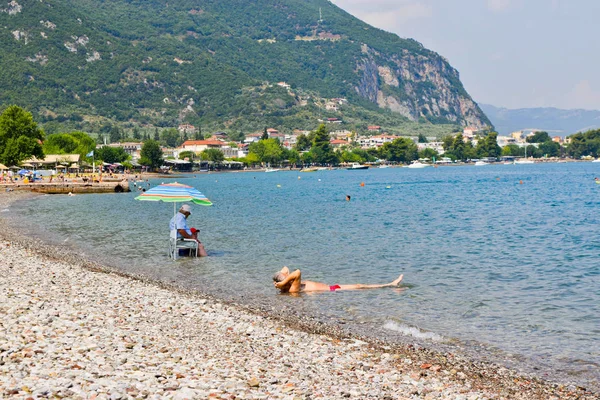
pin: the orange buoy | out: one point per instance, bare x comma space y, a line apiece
520, 182
362, 184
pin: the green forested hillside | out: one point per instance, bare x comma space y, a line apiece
87, 64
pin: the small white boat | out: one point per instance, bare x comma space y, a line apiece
524, 161
596, 160
358, 166
384, 166
271, 170
480, 163
418, 164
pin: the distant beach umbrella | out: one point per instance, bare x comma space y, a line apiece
175, 193
3, 167
23, 172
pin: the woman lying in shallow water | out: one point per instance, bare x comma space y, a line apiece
292, 283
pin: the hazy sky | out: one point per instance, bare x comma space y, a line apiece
509, 53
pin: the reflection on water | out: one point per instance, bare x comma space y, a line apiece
485, 258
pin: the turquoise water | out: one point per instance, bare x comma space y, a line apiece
489, 262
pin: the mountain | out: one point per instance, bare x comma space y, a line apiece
86, 64
553, 120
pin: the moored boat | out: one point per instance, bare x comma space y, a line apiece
358, 166
418, 164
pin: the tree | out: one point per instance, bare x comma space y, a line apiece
214, 155
400, 150
111, 154
447, 142
549, 149
236, 136
422, 138
170, 137
265, 134
69, 143
187, 154
428, 153
60, 143
156, 135
151, 154
302, 142
115, 134
488, 146
538, 137
267, 150
20, 137
293, 156
321, 147
512, 150
136, 133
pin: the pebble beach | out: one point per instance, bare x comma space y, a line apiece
70, 328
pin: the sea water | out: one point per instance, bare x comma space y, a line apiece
504, 258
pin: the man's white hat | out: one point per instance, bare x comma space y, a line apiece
186, 208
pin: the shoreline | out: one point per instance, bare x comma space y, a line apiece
279, 356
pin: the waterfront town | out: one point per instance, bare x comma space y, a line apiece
231, 150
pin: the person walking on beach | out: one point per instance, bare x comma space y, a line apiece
288, 282
179, 223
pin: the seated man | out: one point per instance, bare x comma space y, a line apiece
288, 282
179, 223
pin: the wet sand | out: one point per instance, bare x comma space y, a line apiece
74, 328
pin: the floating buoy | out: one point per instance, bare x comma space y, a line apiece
319, 180
388, 187
298, 178
362, 184
520, 182
278, 185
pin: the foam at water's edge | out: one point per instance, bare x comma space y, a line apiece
412, 331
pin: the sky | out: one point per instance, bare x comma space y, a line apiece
509, 53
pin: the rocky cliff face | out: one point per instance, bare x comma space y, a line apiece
176, 62
420, 87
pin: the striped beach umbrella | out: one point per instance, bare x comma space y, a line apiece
175, 193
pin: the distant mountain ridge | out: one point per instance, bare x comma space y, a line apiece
556, 121
215, 63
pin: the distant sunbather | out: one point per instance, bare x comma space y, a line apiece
288, 282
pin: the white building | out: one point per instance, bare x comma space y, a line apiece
369, 142
437, 146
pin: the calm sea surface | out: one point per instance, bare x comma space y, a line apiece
501, 257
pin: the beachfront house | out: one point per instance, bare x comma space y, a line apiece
376, 141
134, 149
252, 137
198, 146
437, 146
338, 143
